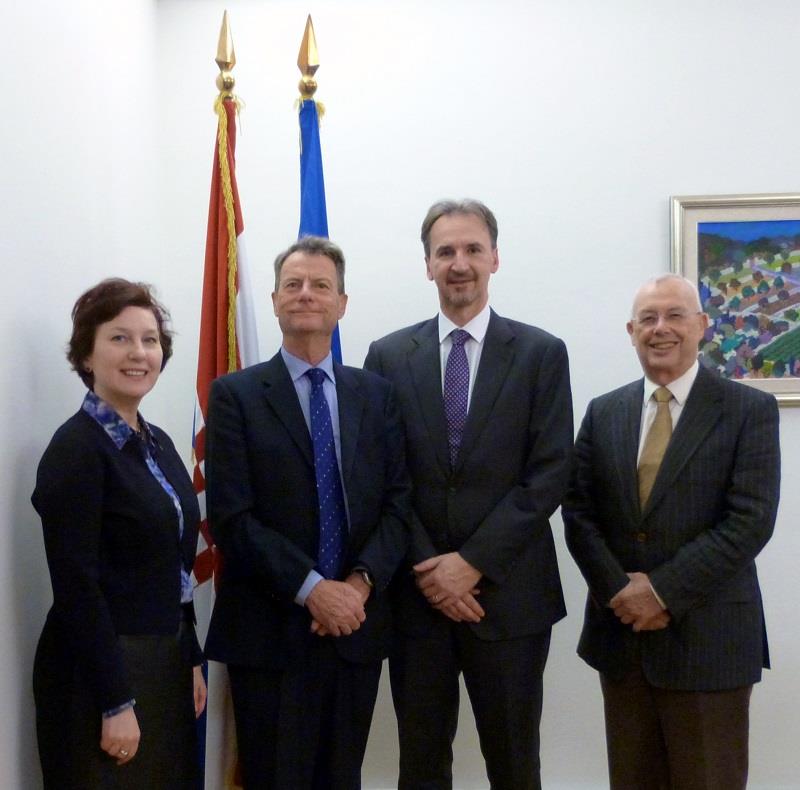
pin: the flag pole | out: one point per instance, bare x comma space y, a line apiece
227, 342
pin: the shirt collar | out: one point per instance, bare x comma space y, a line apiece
107, 418
679, 388
476, 327
298, 367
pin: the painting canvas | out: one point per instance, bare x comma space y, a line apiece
745, 260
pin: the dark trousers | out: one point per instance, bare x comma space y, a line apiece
504, 683
304, 727
661, 739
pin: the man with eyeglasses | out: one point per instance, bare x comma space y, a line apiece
673, 493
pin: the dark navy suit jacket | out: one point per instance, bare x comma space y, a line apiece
264, 516
711, 510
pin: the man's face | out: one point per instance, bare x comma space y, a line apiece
666, 329
460, 263
307, 301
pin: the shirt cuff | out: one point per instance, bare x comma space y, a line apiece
312, 580
658, 597
107, 714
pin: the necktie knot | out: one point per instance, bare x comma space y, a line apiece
662, 395
459, 337
317, 376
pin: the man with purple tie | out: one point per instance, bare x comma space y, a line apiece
488, 417
308, 503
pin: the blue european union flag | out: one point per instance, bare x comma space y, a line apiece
313, 213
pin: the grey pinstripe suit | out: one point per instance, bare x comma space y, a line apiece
711, 511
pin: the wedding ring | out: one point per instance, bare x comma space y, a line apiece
123, 753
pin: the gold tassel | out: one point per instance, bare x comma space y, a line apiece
230, 213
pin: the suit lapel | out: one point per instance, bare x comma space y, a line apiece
351, 409
700, 414
426, 372
282, 399
495, 364
625, 426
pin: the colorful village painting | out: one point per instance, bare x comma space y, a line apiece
749, 281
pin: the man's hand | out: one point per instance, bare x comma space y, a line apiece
337, 608
448, 583
356, 581
464, 609
636, 605
119, 736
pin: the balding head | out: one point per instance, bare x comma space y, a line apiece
666, 327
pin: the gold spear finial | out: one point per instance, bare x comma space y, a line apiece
226, 57
308, 61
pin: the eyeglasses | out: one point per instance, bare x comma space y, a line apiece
670, 318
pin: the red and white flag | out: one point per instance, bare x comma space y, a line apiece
228, 342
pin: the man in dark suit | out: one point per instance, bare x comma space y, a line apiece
308, 503
487, 411
673, 494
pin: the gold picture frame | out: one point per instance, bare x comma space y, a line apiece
743, 253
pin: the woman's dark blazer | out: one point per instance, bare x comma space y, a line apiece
111, 537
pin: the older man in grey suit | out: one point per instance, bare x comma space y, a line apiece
674, 492
488, 416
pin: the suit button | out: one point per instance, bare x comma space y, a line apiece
453, 489
641, 537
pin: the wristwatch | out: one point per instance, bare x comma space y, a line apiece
366, 577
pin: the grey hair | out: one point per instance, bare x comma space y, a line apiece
443, 208
314, 245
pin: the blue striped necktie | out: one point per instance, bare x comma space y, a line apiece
332, 515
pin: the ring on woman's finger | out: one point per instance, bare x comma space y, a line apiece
123, 753
436, 599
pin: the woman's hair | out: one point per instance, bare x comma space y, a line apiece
100, 304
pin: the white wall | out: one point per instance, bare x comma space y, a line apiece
573, 120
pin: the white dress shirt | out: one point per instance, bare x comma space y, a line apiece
473, 347
680, 389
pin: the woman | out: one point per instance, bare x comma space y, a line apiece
117, 677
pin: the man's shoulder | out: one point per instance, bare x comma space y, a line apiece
247, 377
361, 378
734, 392
401, 337
613, 398
526, 332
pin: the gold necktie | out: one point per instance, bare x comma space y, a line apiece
655, 445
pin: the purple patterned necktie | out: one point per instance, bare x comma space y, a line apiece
332, 515
456, 389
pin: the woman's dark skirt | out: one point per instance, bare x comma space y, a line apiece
68, 723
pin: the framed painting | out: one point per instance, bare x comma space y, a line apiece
743, 252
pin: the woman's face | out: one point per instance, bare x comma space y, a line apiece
126, 359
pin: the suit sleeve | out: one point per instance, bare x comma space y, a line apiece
69, 498
495, 545
583, 532
250, 547
718, 553
420, 545
388, 542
